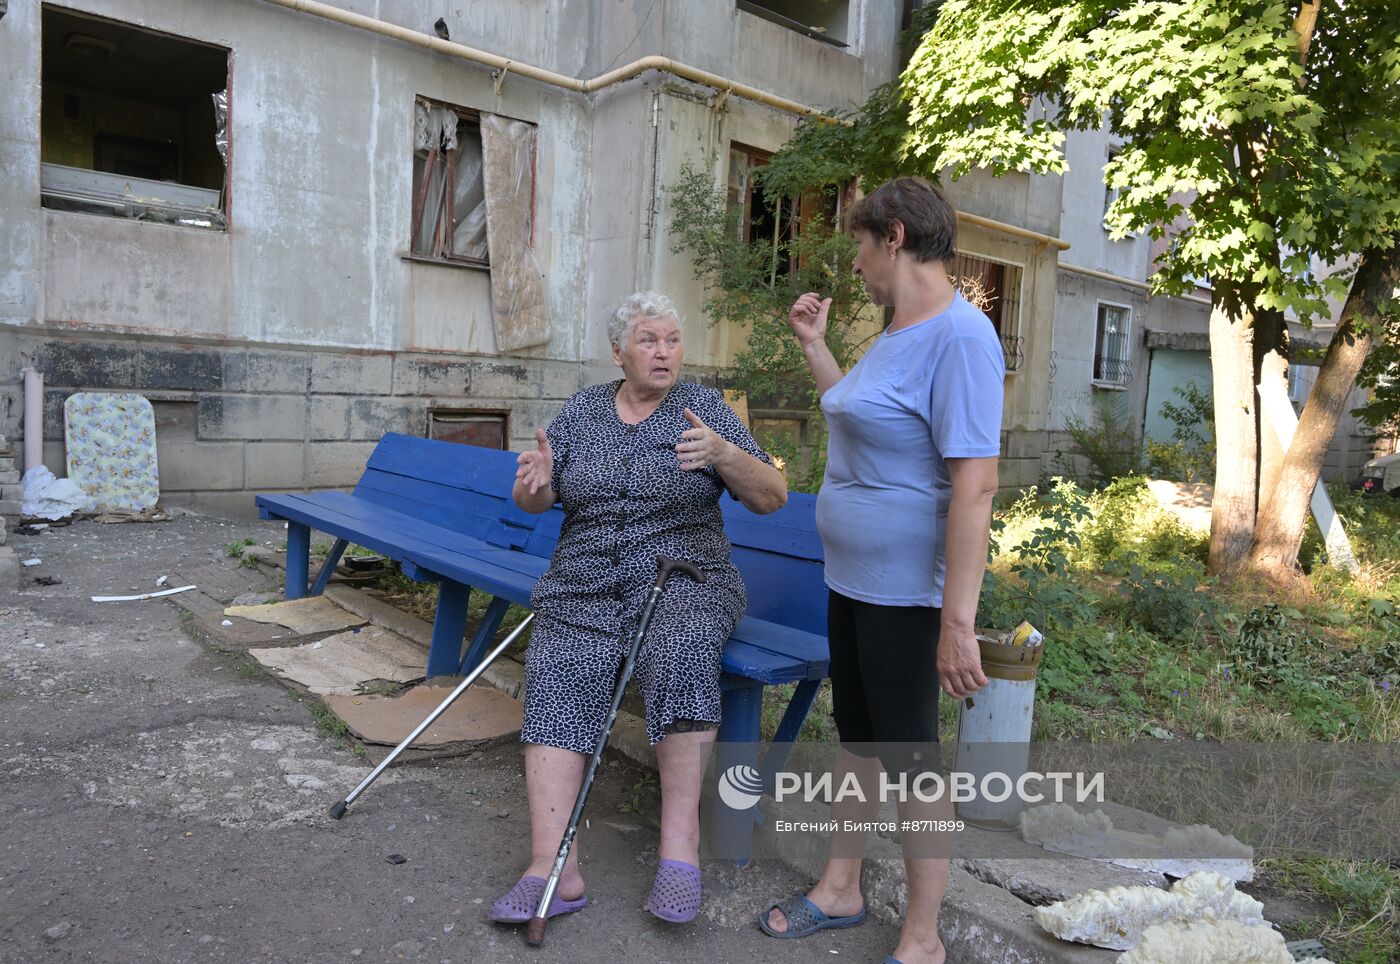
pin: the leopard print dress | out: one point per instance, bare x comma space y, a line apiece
626, 501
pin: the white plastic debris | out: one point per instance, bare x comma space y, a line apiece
1217, 941
226, 622
1116, 918
162, 581
33, 562
45, 497
1179, 852
144, 595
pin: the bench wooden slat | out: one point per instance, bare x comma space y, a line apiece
376, 528
487, 471
791, 531
470, 512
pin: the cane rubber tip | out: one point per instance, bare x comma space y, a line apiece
338, 810
534, 931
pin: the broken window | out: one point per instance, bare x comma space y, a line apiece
449, 185
994, 287
824, 20
474, 204
774, 221
132, 121
469, 427
1111, 347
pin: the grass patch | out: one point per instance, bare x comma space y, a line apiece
331, 726
235, 548
1364, 927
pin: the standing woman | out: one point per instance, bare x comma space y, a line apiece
904, 514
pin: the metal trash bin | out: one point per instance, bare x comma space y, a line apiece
994, 727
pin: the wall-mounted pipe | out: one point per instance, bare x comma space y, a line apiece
499, 63
33, 418
504, 65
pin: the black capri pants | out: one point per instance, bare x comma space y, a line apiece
884, 680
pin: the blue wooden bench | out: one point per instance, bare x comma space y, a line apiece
443, 511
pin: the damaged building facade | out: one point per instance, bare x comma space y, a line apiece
294, 230
284, 275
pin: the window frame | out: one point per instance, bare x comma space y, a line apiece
791, 207
761, 10
1012, 341
126, 207
471, 115
1126, 360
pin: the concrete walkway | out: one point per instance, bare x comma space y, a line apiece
161, 803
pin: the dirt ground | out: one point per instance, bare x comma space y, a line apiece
163, 803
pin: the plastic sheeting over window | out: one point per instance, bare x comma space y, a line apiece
221, 124
518, 306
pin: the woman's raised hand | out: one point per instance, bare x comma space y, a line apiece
701, 445
808, 318
536, 468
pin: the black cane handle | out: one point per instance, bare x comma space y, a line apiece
665, 565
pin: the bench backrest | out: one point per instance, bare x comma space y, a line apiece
463, 487
780, 556
467, 488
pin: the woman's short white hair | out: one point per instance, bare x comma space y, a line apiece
642, 306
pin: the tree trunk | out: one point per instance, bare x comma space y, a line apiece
1285, 510
1236, 437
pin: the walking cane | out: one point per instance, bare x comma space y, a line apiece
338, 810
534, 930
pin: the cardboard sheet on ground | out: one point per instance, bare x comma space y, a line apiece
313, 614
340, 663
479, 714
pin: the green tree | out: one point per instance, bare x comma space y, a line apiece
752, 285
1269, 154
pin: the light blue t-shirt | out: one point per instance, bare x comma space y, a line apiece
925, 393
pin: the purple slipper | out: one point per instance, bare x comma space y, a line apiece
675, 895
518, 904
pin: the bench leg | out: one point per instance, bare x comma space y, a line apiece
298, 558
731, 832
793, 718
328, 567
490, 623
445, 652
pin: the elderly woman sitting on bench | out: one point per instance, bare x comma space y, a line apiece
639, 465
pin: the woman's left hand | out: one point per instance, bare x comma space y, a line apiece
701, 446
960, 663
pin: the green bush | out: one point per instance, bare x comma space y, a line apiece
1268, 648
1105, 441
1163, 598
